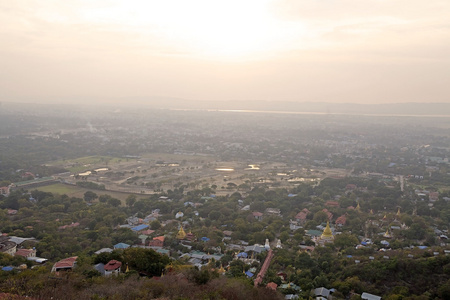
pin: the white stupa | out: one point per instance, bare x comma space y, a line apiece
279, 244
267, 246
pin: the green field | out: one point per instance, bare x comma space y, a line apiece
75, 191
86, 163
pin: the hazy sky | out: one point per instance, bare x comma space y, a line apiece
364, 51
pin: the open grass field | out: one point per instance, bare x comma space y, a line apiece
178, 157
85, 163
75, 191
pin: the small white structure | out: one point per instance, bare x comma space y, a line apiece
279, 244
267, 246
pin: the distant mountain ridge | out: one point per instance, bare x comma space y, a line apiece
300, 107
413, 108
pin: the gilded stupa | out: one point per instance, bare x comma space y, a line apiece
326, 237
181, 233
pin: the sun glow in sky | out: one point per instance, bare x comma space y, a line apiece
365, 51
215, 29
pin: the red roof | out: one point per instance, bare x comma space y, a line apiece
302, 215
24, 252
329, 214
190, 236
351, 186
341, 220
157, 241
66, 263
112, 265
332, 203
147, 232
160, 238
272, 286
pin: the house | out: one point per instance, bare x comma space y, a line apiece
301, 216
350, 187
4, 190
107, 250
66, 264
332, 203
76, 224
329, 214
273, 212
8, 247
139, 227
257, 215
321, 293
100, 267
148, 232
433, 196
26, 253
190, 236
272, 285
341, 220
121, 246
255, 248
12, 212
112, 267
157, 242
367, 296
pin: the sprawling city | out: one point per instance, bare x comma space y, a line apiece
140, 203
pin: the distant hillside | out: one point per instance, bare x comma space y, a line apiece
420, 109
307, 107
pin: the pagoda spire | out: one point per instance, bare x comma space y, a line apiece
181, 233
327, 233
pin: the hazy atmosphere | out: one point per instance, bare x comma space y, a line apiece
303, 51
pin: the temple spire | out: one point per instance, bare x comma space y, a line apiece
327, 233
181, 234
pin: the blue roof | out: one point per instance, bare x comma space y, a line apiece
121, 246
140, 227
7, 268
249, 274
242, 254
292, 195
205, 239
422, 247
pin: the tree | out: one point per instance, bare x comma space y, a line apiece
114, 202
320, 216
131, 199
154, 225
90, 196
345, 240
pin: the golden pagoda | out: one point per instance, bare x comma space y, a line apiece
358, 208
387, 234
398, 212
371, 211
326, 237
221, 270
327, 233
181, 234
